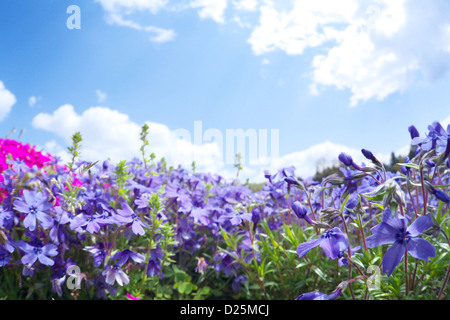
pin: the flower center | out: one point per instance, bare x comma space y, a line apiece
328, 234
37, 250
32, 209
403, 235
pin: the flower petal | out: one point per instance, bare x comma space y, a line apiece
334, 245
420, 225
45, 260
47, 221
383, 233
50, 250
137, 228
110, 277
122, 277
93, 227
126, 211
393, 257
29, 258
421, 249
29, 196
397, 222
21, 206
303, 248
137, 257
30, 222
315, 295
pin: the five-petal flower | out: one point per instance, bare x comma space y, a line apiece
394, 230
333, 242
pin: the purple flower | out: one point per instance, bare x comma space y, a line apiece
441, 195
256, 217
369, 155
237, 282
101, 288
34, 205
40, 253
316, 295
405, 170
6, 217
106, 219
436, 137
154, 263
343, 261
291, 180
143, 201
87, 221
345, 159
113, 274
301, 212
236, 218
333, 242
127, 215
126, 254
200, 215
348, 161
393, 230
413, 132
5, 257
98, 255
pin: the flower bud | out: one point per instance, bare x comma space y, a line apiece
413, 132
369, 155
345, 159
299, 209
301, 212
441, 195
291, 180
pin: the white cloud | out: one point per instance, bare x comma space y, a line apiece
159, 35
300, 28
7, 100
318, 157
212, 9
107, 133
371, 48
246, 5
128, 6
117, 9
366, 70
101, 96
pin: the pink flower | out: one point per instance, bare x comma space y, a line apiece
129, 296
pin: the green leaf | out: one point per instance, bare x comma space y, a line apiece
409, 165
182, 287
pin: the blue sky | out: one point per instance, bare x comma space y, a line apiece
328, 77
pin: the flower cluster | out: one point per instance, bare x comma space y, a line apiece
143, 230
26, 154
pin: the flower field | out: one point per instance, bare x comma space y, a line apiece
140, 229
